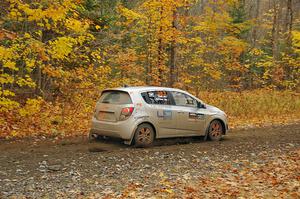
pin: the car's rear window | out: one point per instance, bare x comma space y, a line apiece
115, 97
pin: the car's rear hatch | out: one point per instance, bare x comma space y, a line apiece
112, 104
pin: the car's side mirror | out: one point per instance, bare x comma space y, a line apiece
200, 105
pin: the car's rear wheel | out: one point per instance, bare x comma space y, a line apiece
215, 130
144, 136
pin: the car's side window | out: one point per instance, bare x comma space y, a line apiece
182, 99
156, 97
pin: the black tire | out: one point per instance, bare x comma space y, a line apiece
215, 130
144, 136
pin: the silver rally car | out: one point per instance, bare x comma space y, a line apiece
141, 114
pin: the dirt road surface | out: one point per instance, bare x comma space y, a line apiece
75, 168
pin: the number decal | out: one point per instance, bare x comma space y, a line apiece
164, 114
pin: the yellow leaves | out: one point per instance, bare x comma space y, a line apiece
6, 93
7, 104
31, 107
96, 55
97, 27
197, 40
14, 14
216, 49
206, 27
233, 46
32, 14
58, 53
153, 22
64, 47
84, 38
11, 65
5, 53
6, 78
48, 15
130, 15
30, 63
170, 191
56, 13
2, 52
27, 35
77, 25
26, 81
71, 4
187, 81
61, 47
213, 71
256, 52
296, 41
52, 72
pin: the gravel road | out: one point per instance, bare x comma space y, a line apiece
75, 168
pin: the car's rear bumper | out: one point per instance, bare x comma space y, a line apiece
120, 129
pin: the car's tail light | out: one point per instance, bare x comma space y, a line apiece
126, 113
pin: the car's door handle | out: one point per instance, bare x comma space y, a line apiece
180, 111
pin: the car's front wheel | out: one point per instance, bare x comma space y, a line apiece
215, 130
144, 135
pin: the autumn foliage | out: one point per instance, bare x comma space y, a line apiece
56, 56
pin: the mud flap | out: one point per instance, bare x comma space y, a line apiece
206, 134
129, 142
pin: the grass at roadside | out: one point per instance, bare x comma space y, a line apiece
72, 117
256, 107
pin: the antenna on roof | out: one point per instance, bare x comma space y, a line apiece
125, 85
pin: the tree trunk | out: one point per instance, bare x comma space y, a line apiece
254, 32
160, 51
289, 23
173, 52
288, 33
38, 81
275, 31
149, 60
